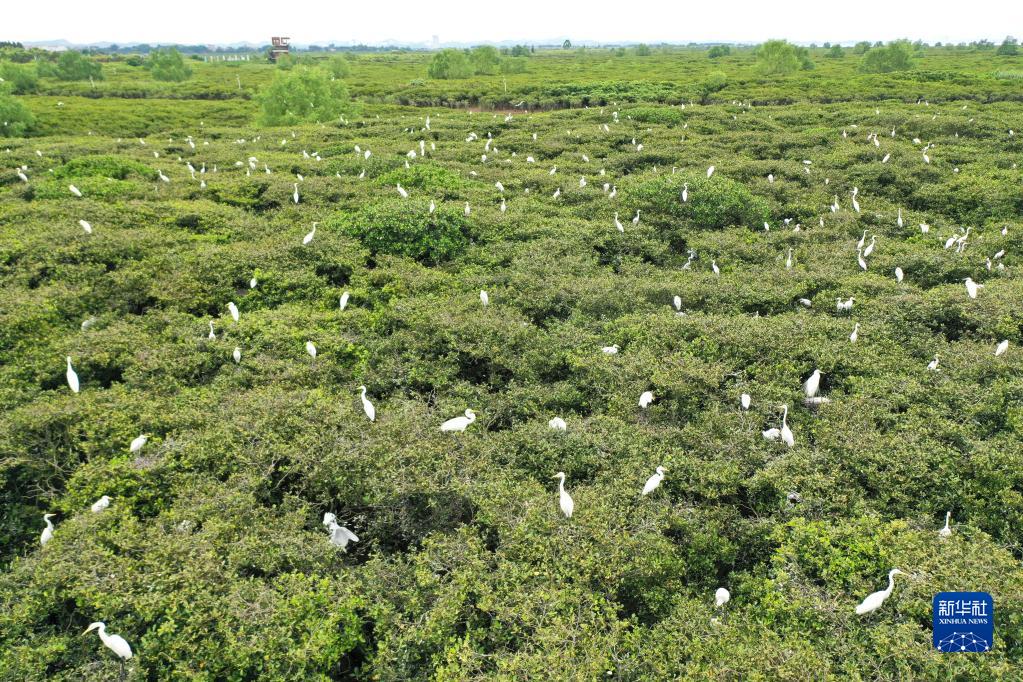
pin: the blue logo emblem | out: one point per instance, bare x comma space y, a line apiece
964, 622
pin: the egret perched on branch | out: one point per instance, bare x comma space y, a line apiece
138, 442
874, 601
721, 597
484, 298
311, 349
899, 275
646, 398
618, 223
786, 432
855, 333
564, 499
309, 237
744, 401
343, 301
295, 195
74, 190
946, 531
459, 424
972, 287
367, 406
100, 504
47, 534
654, 481
233, 309
812, 384
72, 376
933, 364
1002, 347
237, 355
115, 643
339, 535
558, 424
710, 171
610, 350
85, 225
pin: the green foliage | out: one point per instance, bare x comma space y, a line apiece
485, 60
861, 47
303, 94
567, 45
448, 64
15, 118
713, 203
168, 65
74, 66
513, 65
719, 51
338, 67
714, 81
21, 79
643, 50
836, 52
402, 227
780, 58
1008, 48
520, 51
895, 56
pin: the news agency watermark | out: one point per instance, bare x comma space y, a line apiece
964, 622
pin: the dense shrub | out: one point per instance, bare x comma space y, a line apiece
485, 60
895, 56
449, 64
168, 65
304, 94
74, 66
338, 67
719, 51
713, 204
19, 78
779, 58
405, 227
1008, 48
15, 118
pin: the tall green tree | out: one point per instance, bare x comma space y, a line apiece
449, 63
1008, 48
485, 59
302, 94
74, 66
779, 57
168, 65
895, 56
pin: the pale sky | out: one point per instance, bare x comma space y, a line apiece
479, 21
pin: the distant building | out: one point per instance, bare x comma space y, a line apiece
279, 47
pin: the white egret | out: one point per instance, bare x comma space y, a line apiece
685, 192
946, 531
343, 301
859, 259
253, 283
47, 533
646, 398
85, 225
237, 355
484, 298
233, 309
341, 536
786, 432
715, 268
899, 275
367, 406
677, 301
721, 597
771, 434
933, 364
137, 442
874, 601
558, 424
212, 335
72, 376
115, 643
863, 239
710, 171
1002, 347
855, 333
311, 349
745, 401
74, 190
100, 504
295, 194
806, 302
654, 481
635, 218
309, 236
610, 350
564, 499
467, 209
899, 219
972, 287
812, 384
870, 247
788, 261
618, 223
459, 424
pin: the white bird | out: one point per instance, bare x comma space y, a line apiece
433, 205
309, 237
685, 192
459, 424
402, 191
863, 239
786, 432
721, 597
100, 504
875, 600
295, 195
771, 434
85, 225
715, 268
812, 384
635, 218
870, 247
677, 301
806, 302
467, 209
654, 481
618, 223
899, 220
859, 259
558, 424
564, 499
72, 376
710, 171
367, 406
1002, 347
138, 442
212, 335
933, 364
233, 309
610, 350
646, 398
504, 205
855, 333
788, 261
744, 401
47, 534
484, 298
557, 193
946, 531
237, 355
115, 643
311, 349
844, 306
74, 190
343, 301
899, 275
253, 283
341, 536
972, 287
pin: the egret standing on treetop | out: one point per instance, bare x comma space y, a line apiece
311, 349
812, 384
786, 432
309, 237
100, 504
946, 531
972, 287
1002, 347
721, 597
484, 298
367, 406
72, 376
874, 601
47, 534
233, 309
646, 398
744, 401
459, 424
115, 643
654, 481
564, 499
138, 442
558, 424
